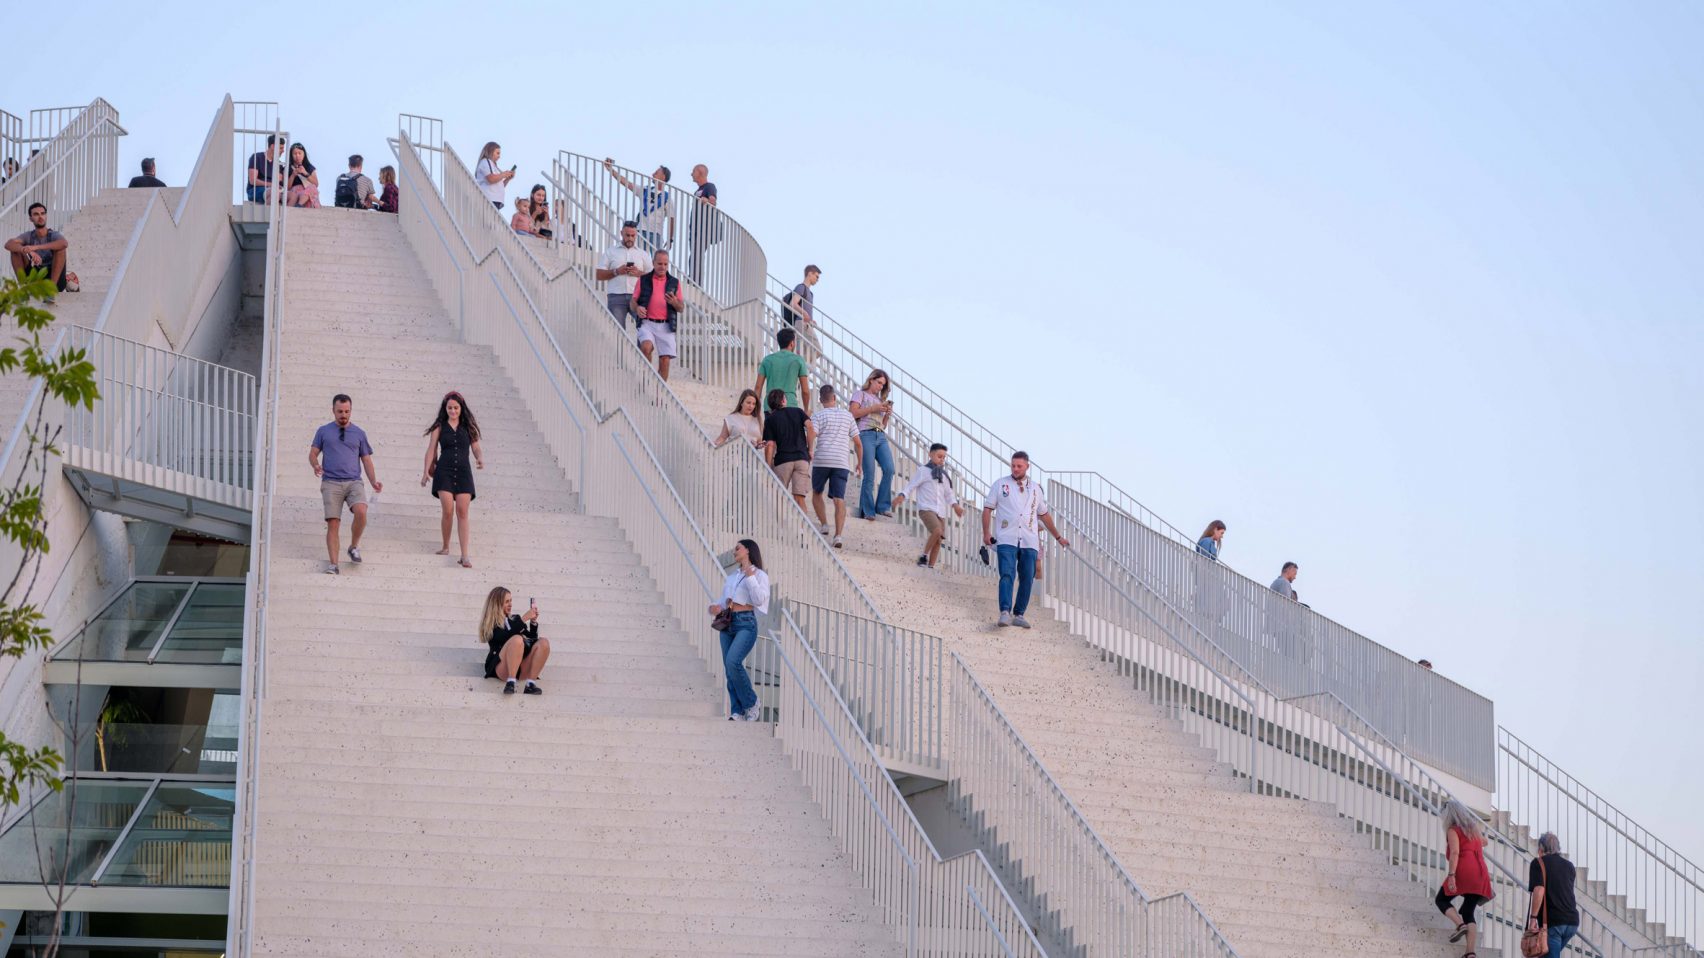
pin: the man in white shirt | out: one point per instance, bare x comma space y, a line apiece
1016, 501
934, 494
620, 267
836, 455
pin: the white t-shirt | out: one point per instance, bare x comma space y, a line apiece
492, 191
617, 255
1017, 512
835, 429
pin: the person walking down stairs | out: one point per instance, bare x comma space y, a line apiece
452, 435
515, 650
745, 596
346, 451
1016, 503
935, 498
1468, 878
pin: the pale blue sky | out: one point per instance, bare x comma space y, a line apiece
1409, 294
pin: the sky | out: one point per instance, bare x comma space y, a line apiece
1407, 293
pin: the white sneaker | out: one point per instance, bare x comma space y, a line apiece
753, 714
1005, 619
837, 542
825, 528
1020, 622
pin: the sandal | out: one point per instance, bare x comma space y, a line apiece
442, 552
464, 563
1460, 932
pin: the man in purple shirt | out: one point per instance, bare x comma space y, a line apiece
346, 451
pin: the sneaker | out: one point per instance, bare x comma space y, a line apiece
824, 528
532, 689
354, 554
331, 569
1005, 619
509, 687
1020, 622
837, 542
51, 301
753, 714
923, 561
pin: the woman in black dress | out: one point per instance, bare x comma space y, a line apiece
449, 439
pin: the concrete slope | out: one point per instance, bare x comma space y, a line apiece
408, 807
98, 235
1281, 878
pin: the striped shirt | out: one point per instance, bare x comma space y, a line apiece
835, 430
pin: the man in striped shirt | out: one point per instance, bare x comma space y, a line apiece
837, 453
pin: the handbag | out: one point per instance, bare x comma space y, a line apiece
1536, 944
723, 620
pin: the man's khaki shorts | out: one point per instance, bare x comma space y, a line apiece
795, 476
335, 494
931, 521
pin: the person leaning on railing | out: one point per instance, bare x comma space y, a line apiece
742, 422
745, 596
514, 649
1211, 539
1468, 879
656, 213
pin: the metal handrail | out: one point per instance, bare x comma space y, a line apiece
70, 170
256, 598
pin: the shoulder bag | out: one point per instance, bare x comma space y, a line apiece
1536, 944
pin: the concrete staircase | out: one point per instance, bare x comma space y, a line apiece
1281, 878
98, 235
409, 808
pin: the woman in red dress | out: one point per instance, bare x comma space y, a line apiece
1468, 878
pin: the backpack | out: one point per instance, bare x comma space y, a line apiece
347, 192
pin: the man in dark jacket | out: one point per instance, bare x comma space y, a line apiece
656, 299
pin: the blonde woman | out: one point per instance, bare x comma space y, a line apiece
1468, 878
871, 407
388, 190
514, 649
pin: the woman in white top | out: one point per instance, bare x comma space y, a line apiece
742, 422
746, 596
489, 176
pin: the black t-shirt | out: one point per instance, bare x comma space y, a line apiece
145, 180
1558, 882
786, 428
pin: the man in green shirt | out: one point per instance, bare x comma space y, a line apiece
784, 370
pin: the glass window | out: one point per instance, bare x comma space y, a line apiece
182, 838
128, 629
96, 817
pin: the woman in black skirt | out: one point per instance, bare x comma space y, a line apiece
449, 440
514, 649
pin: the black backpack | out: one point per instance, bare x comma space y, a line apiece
346, 193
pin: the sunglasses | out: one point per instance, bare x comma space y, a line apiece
340, 432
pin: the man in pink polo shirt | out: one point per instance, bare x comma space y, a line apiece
656, 298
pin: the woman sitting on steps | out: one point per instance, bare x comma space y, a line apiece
515, 650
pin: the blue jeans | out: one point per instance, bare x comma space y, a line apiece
1560, 935
1019, 563
876, 450
737, 643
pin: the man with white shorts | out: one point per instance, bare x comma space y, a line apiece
656, 300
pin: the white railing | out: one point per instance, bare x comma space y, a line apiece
73, 166
920, 704
1292, 649
239, 924
706, 245
1315, 748
1637, 876
730, 491
615, 471
255, 128
165, 420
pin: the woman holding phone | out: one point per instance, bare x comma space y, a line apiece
745, 596
490, 177
514, 650
871, 407
302, 181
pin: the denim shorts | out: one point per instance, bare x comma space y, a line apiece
833, 479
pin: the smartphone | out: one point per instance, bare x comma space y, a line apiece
514, 168
532, 602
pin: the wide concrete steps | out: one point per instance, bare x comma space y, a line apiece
408, 806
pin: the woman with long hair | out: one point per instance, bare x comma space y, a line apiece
870, 406
449, 440
514, 650
540, 211
1211, 538
492, 179
745, 595
301, 182
388, 191
742, 422
1468, 878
